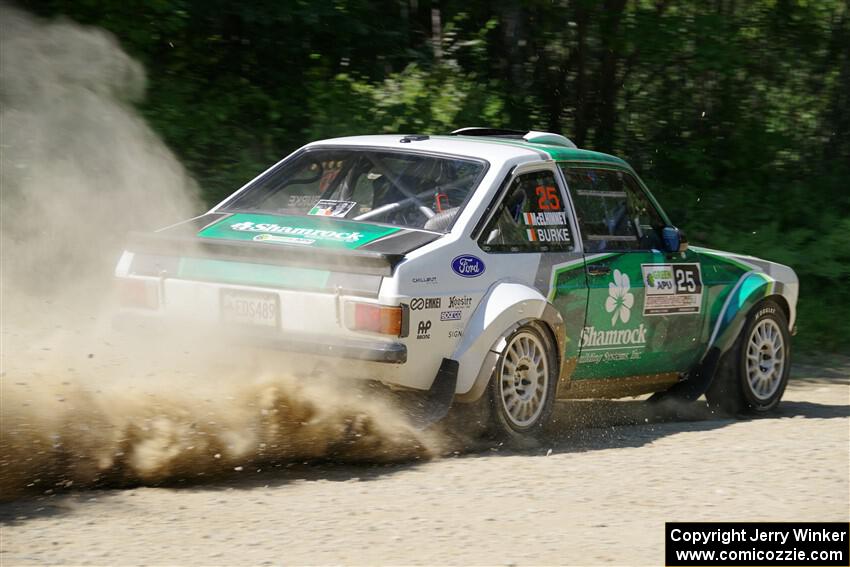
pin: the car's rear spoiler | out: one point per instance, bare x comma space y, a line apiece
376, 258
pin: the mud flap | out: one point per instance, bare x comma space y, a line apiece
434, 405
696, 384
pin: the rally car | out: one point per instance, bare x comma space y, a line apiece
489, 266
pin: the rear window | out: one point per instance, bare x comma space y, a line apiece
401, 189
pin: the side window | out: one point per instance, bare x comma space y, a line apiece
530, 218
613, 212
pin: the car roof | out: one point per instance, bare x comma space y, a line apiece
490, 148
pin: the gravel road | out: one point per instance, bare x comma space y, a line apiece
597, 492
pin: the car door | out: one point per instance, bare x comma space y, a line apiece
645, 304
532, 216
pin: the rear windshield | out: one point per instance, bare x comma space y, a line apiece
401, 189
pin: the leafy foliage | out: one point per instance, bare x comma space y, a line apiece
737, 114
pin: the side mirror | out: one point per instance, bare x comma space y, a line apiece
674, 239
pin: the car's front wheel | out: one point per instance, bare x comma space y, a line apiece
755, 371
522, 389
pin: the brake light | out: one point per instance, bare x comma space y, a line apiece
138, 293
377, 318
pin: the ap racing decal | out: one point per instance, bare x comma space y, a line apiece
672, 289
312, 232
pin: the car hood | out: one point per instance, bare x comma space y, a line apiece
777, 271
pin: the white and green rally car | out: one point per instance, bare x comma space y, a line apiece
490, 264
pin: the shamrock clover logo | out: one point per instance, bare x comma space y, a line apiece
620, 300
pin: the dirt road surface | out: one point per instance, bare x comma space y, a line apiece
597, 492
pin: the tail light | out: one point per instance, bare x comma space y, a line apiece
376, 318
138, 293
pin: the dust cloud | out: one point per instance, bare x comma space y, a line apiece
81, 404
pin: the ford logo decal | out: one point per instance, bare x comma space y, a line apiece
468, 266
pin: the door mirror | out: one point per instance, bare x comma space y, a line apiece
674, 239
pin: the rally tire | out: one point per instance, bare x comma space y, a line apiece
753, 374
521, 392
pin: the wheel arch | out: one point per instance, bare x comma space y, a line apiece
504, 309
783, 304
751, 290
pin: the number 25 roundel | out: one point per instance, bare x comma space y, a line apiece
547, 198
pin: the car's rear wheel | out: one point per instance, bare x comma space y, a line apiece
755, 371
522, 389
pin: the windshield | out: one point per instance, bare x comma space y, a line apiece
397, 188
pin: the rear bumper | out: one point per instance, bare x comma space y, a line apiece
320, 345
370, 351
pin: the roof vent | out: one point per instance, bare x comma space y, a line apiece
532, 136
495, 132
549, 138
414, 138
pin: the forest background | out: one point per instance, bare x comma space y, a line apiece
735, 113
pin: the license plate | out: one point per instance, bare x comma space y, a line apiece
250, 308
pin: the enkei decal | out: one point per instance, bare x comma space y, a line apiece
672, 289
468, 266
423, 331
418, 303
459, 301
450, 316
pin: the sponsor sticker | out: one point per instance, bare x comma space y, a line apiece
545, 219
284, 239
459, 302
418, 303
429, 280
304, 231
301, 201
468, 266
332, 208
548, 234
672, 289
423, 331
611, 346
297, 232
450, 316
604, 345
